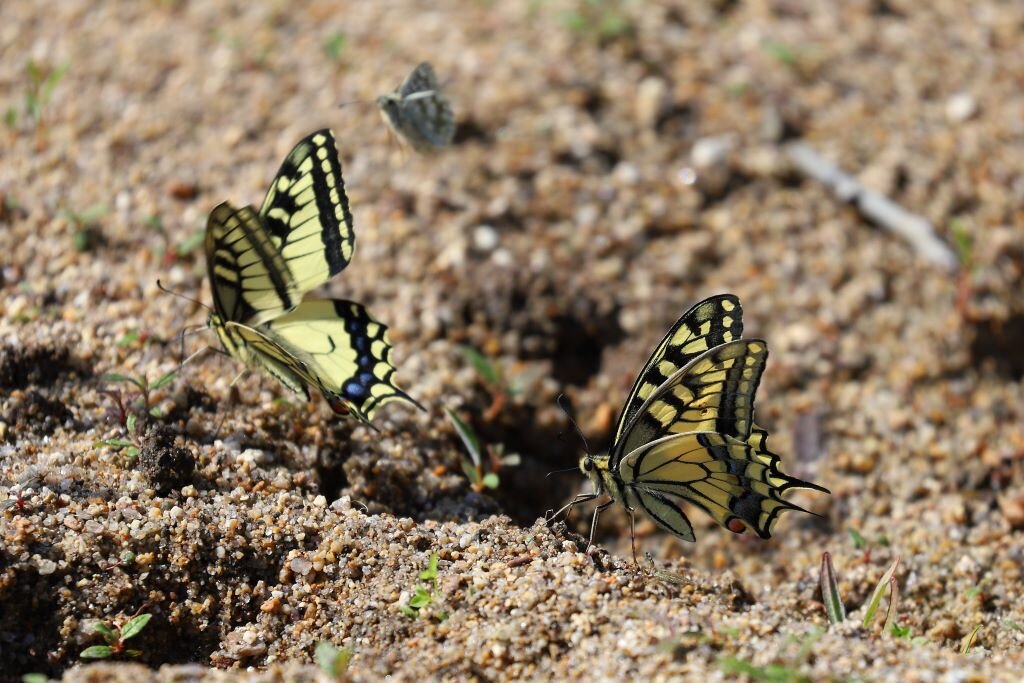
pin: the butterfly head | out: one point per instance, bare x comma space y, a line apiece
592, 467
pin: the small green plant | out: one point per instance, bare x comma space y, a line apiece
888, 580
87, 235
129, 446
334, 45
116, 638
859, 542
332, 660
145, 388
968, 641
473, 465
423, 596
830, 591
602, 21
42, 81
1012, 625
782, 52
776, 673
963, 242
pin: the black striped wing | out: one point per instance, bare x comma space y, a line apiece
249, 278
306, 213
335, 347
710, 323
721, 475
712, 392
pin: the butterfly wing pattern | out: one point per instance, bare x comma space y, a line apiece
262, 263
419, 111
687, 432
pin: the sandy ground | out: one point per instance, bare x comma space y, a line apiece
614, 163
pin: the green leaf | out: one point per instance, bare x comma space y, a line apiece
830, 591
484, 367
92, 214
858, 541
781, 52
156, 411
34, 678
420, 599
900, 631
1012, 625
408, 611
333, 661
97, 652
468, 436
335, 45
135, 626
470, 470
491, 480
876, 597
431, 571
113, 443
130, 338
118, 377
511, 460
130, 423
104, 630
131, 453
164, 380
190, 243
968, 641
133, 653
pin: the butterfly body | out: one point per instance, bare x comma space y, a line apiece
419, 112
687, 431
262, 263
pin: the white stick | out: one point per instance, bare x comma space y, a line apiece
874, 206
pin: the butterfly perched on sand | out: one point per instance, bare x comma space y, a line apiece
687, 432
419, 112
261, 263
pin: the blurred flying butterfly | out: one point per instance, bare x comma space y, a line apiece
419, 112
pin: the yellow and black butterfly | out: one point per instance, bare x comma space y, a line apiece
687, 432
419, 112
261, 263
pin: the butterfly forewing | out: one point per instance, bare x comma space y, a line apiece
419, 111
307, 214
710, 323
249, 279
712, 392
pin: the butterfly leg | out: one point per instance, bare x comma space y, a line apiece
593, 520
580, 498
632, 536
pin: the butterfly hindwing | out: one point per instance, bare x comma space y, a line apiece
307, 215
717, 473
710, 323
336, 347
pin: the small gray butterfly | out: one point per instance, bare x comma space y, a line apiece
419, 112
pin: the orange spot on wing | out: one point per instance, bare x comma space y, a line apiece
736, 526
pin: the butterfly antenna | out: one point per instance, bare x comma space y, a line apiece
163, 289
567, 469
563, 402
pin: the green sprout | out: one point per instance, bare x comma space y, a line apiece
333, 661
42, 81
830, 591
963, 242
145, 388
423, 596
602, 21
34, 678
116, 638
888, 580
968, 641
87, 235
473, 465
776, 673
129, 446
859, 542
334, 45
